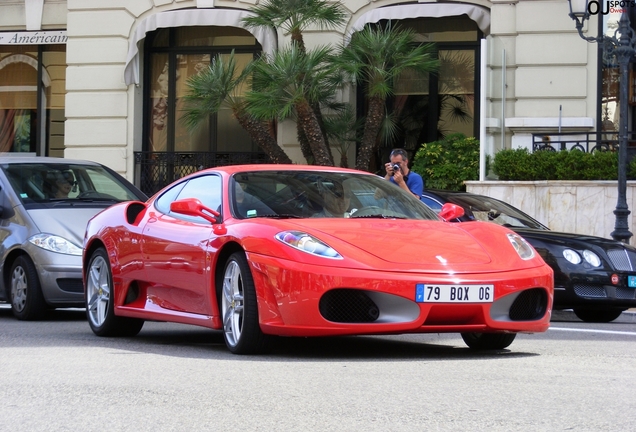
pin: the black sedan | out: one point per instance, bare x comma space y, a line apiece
594, 276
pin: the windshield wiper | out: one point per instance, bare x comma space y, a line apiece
277, 216
377, 216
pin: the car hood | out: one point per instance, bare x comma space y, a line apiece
569, 239
69, 223
416, 244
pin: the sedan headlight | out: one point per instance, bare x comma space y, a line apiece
572, 256
522, 247
307, 243
592, 258
55, 243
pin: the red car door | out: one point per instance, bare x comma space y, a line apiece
176, 250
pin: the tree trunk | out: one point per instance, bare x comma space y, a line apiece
372, 126
304, 143
261, 135
309, 122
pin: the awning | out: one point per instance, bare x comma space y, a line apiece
191, 17
478, 14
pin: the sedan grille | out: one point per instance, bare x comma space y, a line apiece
626, 293
596, 291
529, 305
622, 260
348, 306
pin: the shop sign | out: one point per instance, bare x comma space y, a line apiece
33, 38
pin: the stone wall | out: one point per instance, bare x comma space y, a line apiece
584, 207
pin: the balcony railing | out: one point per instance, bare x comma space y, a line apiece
154, 170
584, 141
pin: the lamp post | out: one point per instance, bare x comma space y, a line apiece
624, 48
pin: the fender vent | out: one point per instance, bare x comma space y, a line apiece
529, 305
348, 306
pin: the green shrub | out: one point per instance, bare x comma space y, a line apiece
520, 164
446, 164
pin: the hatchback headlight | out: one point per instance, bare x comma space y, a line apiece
55, 243
522, 247
307, 243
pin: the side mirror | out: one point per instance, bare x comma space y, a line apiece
194, 207
451, 211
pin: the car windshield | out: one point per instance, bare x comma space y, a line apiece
47, 182
489, 209
311, 194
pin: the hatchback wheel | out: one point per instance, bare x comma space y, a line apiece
488, 341
100, 296
27, 301
239, 308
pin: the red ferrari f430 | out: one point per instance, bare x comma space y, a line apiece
259, 251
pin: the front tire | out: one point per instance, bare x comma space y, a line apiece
598, 316
488, 341
100, 299
239, 308
27, 300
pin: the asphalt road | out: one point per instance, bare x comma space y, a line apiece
58, 376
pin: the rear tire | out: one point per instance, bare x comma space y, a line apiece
100, 299
27, 300
239, 308
488, 341
598, 315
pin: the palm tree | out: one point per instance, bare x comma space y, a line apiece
293, 17
375, 57
285, 85
220, 86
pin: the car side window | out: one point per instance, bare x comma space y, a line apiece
434, 205
206, 189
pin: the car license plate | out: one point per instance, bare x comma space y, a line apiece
631, 281
431, 293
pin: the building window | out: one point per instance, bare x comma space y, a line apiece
32, 87
173, 56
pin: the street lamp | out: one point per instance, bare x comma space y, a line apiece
624, 49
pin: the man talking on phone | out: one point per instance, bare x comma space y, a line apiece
397, 172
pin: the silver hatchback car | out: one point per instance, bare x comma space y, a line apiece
45, 204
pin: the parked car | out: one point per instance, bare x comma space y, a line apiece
594, 276
45, 204
291, 250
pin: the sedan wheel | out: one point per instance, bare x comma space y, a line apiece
488, 341
27, 301
239, 308
598, 316
100, 309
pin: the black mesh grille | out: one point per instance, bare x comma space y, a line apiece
626, 293
596, 291
621, 259
529, 305
71, 285
348, 306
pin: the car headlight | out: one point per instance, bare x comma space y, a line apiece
55, 243
592, 258
522, 247
572, 256
307, 243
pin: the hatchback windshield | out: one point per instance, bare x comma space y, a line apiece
308, 194
46, 182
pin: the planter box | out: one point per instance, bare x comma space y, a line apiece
583, 207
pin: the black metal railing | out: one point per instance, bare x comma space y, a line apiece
154, 170
583, 141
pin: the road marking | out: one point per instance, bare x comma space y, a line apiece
594, 331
